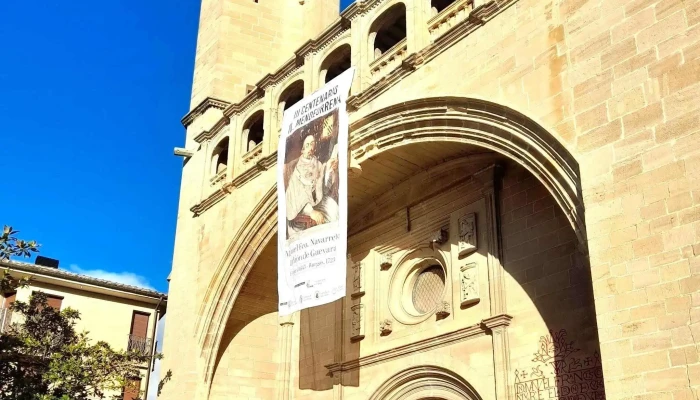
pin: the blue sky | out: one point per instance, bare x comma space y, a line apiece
91, 95
91, 99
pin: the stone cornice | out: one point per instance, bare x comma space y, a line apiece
359, 8
446, 339
324, 40
281, 74
408, 65
202, 107
208, 135
251, 98
210, 201
501, 320
256, 169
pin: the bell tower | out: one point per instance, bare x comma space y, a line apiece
239, 41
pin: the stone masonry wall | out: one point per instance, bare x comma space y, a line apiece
617, 82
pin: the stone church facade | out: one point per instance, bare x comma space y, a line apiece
524, 205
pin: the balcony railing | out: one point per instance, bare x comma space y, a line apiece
140, 344
388, 61
218, 178
5, 319
253, 155
449, 17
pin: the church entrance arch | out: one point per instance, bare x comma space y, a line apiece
425, 382
474, 124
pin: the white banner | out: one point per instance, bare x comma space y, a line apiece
312, 192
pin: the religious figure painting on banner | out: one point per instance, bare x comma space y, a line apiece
311, 175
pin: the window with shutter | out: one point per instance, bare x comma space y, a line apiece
139, 324
54, 301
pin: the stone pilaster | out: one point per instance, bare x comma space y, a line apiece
285, 366
498, 327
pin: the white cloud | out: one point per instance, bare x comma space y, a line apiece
124, 277
155, 375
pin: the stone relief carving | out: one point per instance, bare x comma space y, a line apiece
443, 310
440, 237
385, 261
469, 285
358, 322
467, 235
385, 327
358, 280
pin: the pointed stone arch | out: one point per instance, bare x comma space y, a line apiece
452, 119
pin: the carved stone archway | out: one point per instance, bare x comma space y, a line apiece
453, 119
425, 382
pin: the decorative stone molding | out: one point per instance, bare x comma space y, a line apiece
467, 243
501, 320
413, 62
211, 133
250, 100
358, 322
500, 129
444, 310
218, 178
360, 8
426, 382
358, 280
325, 39
403, 279
210, 201
385, 327
285, 71
469, 285
255, 169
201, 108
445, 339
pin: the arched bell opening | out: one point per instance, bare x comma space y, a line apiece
335, 63
387, 31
